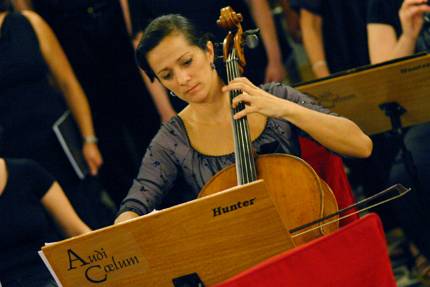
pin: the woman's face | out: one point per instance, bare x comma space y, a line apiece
183, 68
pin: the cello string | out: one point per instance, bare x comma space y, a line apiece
249, 163
240, 123
238, 126
238, 135
241, 138
237, 154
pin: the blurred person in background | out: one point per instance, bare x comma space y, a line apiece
30, 202
94, 37
30, 57
398, 28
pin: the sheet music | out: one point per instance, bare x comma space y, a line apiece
45, 260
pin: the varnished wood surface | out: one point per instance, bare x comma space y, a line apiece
357, 95
294, 187
181, 240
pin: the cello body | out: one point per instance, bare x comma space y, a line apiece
298, 193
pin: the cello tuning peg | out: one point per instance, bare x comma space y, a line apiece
252, 32
251, 38
252, 41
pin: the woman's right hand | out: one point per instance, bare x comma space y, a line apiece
411, 15
126, 216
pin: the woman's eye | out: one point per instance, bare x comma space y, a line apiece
188, 62
166, 76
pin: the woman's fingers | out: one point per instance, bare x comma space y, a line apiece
248, 107
411, 7
247, 110
244, 97
242, 84
414, 2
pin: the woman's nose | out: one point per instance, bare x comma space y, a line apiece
182, 77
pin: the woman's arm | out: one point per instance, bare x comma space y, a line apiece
275, 70
313, 41
156, 177
126, 14
126, 216
59, 207
382, 40
74, 95
336, 133
383, 43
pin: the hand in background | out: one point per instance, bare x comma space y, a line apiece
412, 17
93, 157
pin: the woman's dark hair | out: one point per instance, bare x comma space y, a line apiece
4, 5
162, 27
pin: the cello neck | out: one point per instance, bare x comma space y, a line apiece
245, 165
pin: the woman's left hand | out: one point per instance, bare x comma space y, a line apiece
255, 99
93, 157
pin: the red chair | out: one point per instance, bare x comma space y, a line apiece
330, 168
354, 256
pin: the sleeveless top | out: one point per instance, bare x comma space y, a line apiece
28, 103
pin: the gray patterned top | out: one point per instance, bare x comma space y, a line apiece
170, 155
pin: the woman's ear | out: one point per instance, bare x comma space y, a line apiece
210, 51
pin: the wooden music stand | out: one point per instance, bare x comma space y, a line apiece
359, 93
380, 98
191, 244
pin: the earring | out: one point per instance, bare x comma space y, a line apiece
172, 94
212, 66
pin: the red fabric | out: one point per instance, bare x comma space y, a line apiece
354, 256
330, 168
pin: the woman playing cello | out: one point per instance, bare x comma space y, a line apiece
198, 142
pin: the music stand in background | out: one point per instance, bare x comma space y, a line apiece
379, 98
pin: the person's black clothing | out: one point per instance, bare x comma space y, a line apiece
25, 224
95, 40
411, 210
344, 31
386, 12
29, 106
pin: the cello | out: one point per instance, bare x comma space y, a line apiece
298, 193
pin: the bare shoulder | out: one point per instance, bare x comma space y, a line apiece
39, 25
33, 17
185, 115
2, 165
3, 175
46, 36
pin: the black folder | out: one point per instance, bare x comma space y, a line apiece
68, 135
